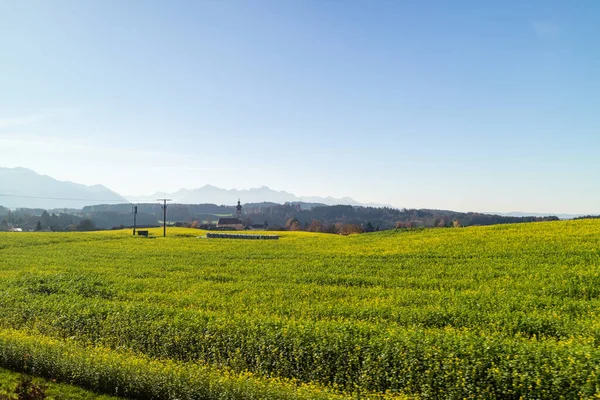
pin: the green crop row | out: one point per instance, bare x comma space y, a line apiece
352, 356
135, 376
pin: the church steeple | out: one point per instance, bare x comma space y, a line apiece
239, 210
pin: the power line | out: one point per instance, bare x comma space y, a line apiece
59, 198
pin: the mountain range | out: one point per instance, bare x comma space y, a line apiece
215, 195
24, 188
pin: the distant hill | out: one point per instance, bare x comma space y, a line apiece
215, 195
525, 214
22, 187
277, 216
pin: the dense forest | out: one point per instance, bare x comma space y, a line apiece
291, 216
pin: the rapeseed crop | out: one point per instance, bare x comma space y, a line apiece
505, 311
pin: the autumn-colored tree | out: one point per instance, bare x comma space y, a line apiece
292, 224
354, 228
315, 226
347, 229
330, 228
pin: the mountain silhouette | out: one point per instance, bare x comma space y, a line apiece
215, 195
24, 188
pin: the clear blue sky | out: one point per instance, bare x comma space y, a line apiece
464, 105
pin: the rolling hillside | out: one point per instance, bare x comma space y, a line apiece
505, 311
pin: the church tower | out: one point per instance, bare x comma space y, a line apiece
239, 210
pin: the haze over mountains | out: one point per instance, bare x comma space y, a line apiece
24, 188
213, 194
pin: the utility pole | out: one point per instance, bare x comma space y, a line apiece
134, 218
164, 207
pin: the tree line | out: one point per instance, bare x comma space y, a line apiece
290, 216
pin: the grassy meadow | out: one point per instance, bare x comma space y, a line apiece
507, 311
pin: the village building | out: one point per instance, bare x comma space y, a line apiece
231, 222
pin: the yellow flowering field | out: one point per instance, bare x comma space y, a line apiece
508, 311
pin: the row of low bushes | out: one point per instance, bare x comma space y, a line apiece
445, 362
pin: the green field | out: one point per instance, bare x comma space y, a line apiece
505, 311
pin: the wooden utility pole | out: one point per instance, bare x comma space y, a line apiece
164, 207
134, 218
